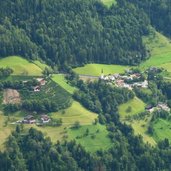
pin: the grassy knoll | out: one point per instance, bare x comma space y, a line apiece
96, 139
136, 105
160, 49
162, 129
20, 66
76, 112
60, 79
109, 3
95, 69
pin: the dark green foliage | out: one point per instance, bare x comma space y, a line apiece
159, 11
32, 152
5, 72
50, 98
72, 32
102, 98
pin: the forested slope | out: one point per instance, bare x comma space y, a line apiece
159, 12
73, 32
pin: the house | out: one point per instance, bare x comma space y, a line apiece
45, 118
29, 119
41, 81
36, 88
163, 106
150, 108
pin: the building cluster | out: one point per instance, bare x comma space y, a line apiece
160, 106
30, 119
127, 80
42, 82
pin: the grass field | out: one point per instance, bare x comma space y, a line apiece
140, 128
108, 3
20, 66
160, 48
162, 129
76, 112
96, 139
41, 65
95, 69
5, 128
136, 105
60, 79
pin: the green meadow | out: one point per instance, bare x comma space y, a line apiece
162, 129
96, 69
96, 138
136, 106
21, 66
109, 3
140, 128
60, 80
76, 112
160, 51
41, 65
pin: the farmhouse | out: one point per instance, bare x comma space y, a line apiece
163, 106
41, 81
45, 118
36, 88
29, 119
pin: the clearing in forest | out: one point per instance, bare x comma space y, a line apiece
92, 137
161, 129
132, 107
11, 96
109, 3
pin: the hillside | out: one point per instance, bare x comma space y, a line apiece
21, 66
85, 85
96, 34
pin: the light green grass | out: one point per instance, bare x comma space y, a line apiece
95, 69
75, 113
140, 128
162, 129
109, 3
5, 129
60, 79
100, 141
69, 116
136, 105
41, 65
20, 66
160, 49
167, 66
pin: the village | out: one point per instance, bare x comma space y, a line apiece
134, 78
130, 79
